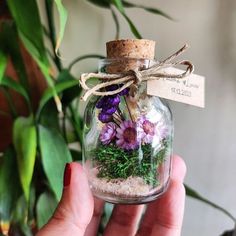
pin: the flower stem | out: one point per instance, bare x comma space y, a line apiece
120, 113
118, 117
127, 105
115, 121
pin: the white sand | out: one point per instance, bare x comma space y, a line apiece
130, 187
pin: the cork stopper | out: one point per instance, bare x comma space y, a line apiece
131, 48
127, 51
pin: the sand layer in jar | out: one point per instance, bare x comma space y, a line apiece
133, 186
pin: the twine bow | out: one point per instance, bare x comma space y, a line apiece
135, 76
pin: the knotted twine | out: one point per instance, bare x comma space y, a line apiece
135, 76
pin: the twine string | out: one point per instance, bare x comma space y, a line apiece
135, 76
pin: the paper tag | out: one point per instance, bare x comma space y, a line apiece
190, 90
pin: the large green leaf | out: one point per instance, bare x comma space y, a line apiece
55, 154
25, 142
192, 193
12, 49
12, 84
26, 16
51, 34
49, 116
63, 18
59, 87
3, 64
27, 23
9, 186
46, 205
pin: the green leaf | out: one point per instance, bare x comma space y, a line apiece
149, 9
26, 24
49, 116
100, 3
63, 18
119, 5
12, 84
76, 155
12, 49
46, 205
229, 233
70, 93
133, 28
26, 16
80, 58
9, 185
192, 193
117, 24
59, 87
49, 7
20, 216
55, 154
3, 65
25, 142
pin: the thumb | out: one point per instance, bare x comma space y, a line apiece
75, 209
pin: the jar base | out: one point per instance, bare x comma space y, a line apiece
126, 200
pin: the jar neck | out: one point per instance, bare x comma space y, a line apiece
121, 65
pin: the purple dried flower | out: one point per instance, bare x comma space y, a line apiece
113, 100
108, 133
101, 102
108, 101
124, 92
104, 118
112, 87
109, 110
127, 135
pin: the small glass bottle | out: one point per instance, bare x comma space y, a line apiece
127, 136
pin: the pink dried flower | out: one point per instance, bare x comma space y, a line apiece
108, 133
127, 135
146, 129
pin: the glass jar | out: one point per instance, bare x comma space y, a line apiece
127, 140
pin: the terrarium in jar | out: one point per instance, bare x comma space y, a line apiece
127, 134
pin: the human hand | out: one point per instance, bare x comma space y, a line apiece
78, 213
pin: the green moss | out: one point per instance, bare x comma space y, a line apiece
113, 162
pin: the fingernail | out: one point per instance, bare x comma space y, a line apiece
67, 175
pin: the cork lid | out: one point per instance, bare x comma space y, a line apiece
128, 54
131, 48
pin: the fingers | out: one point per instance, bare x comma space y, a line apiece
164, 216
75, 209
97, 213
124, 220
178, 169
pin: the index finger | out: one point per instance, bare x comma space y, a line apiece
164, 216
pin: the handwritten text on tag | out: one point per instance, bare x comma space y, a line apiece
190, 90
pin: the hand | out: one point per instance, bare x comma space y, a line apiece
78, 214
